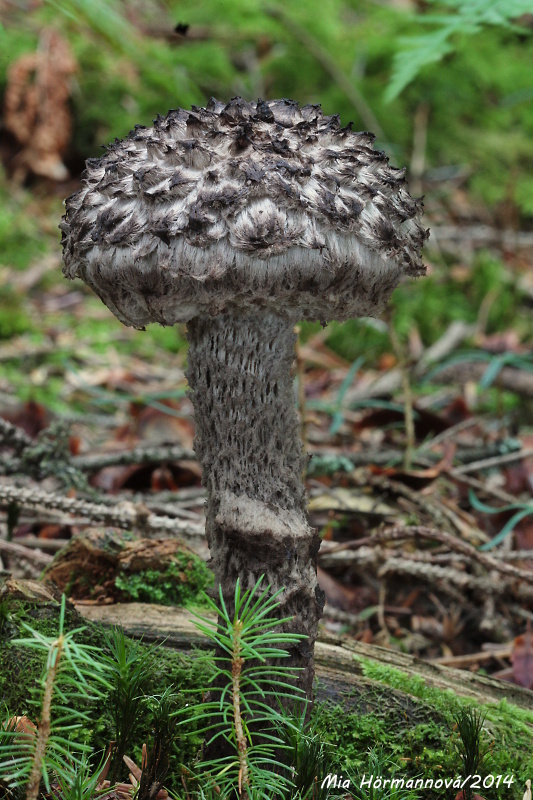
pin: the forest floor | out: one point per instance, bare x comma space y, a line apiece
419, 479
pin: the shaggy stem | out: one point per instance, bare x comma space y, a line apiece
44, 727
248, 443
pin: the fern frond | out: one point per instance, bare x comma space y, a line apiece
466, 18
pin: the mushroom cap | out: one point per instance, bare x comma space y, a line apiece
241, 206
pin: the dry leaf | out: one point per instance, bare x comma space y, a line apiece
20, 725
36, 107
522, 659
350, 500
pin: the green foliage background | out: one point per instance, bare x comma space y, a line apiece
464, 63
479, 96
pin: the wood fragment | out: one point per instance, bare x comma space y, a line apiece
24, 552
508, 378
399, 532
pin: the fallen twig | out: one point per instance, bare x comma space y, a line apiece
468, 660
495, 461
421, 566
436, 510
399, 532
509, 378
137, 455
93, 462
33, 543
445, 577
124, 514
475, 236
324, 462
25, 552
494, 491
389, 382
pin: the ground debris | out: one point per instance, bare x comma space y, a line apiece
36, 107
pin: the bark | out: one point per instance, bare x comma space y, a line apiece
252, 460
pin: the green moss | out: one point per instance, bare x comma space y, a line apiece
21, 668
181, 584
413, 724
25, 230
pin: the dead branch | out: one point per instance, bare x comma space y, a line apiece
509, 378
137, 455
437, 511
444, 577
32, 555
493, 491
97, 461
325, 462
399, 532
124, 514
34, 543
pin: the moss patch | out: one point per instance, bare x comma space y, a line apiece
180, 584
107, 563
411, 724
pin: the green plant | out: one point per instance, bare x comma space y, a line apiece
4, 616
71, 671
374, 786
13, 317
522, 510
51, 753
335, 407
125, 664
309, 755
467, 17
469, 746
81, 783
242, 716
157, 757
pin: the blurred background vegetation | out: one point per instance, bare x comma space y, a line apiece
446, 86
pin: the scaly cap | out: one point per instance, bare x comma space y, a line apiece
239, 206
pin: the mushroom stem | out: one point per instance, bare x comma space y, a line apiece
247, 441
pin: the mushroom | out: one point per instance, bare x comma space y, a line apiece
240, 219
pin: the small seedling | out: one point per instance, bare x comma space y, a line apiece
470, 747
126, 662
32, 756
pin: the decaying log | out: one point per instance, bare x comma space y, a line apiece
339, 662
